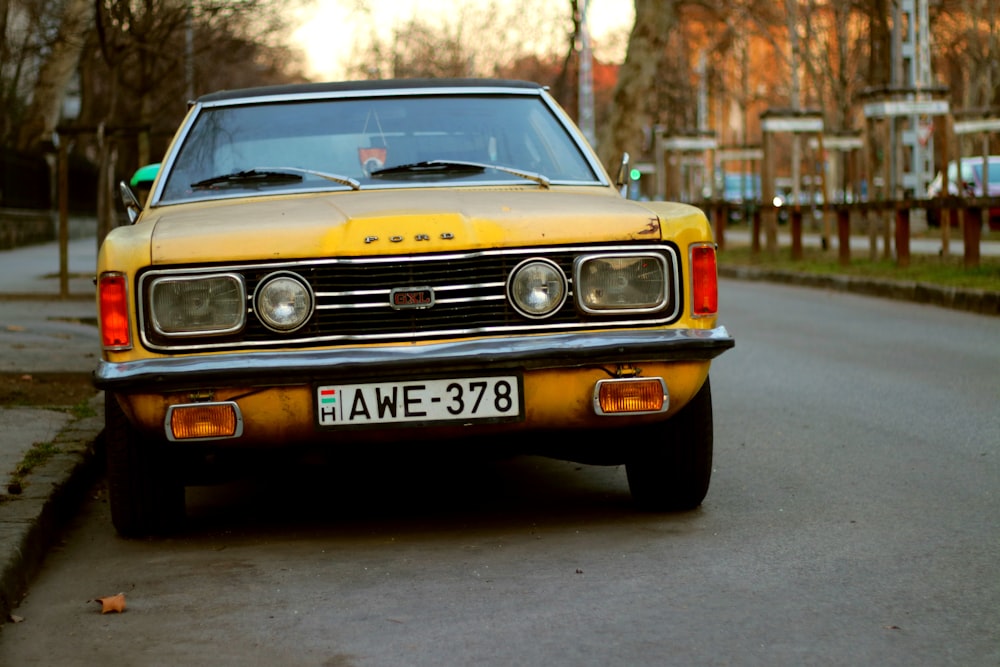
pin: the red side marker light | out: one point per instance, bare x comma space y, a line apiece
113, 304
704, 281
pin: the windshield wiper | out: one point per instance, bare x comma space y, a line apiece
272, 176
457, 166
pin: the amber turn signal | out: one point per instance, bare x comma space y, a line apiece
199, 421
629, 396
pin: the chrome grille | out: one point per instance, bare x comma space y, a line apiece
353, 299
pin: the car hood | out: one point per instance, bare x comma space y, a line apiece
394, 222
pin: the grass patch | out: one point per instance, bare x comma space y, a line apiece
39, 453
943, 271
83, 409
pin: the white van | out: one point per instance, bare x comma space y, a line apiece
972, 181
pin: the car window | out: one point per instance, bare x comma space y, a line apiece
354, 138
994, 172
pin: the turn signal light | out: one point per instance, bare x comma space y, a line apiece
113, 305
630, 396
704, 281
199, 421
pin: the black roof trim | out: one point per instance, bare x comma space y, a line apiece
361, 86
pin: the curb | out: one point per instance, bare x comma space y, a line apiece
33, 520
982, 302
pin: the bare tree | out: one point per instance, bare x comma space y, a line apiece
471, 41
968, 39
632, 110
56, 72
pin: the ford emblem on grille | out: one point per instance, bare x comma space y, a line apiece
407, 298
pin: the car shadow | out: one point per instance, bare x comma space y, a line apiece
412, 496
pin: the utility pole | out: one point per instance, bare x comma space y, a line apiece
189, 52
911, 64
796, 97
586, 88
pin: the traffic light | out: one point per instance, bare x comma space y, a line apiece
635, 174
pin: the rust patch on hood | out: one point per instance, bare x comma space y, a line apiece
652, 227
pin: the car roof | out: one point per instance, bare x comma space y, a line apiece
363, 86
979, 159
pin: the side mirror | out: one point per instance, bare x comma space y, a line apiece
131, 202
142, 180
624, 172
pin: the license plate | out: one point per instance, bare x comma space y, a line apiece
494, 398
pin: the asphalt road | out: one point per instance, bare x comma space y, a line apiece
852, 520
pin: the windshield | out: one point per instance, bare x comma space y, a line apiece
334, 144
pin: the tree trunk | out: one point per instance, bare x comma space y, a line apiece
55, 73
635, 92
880, 64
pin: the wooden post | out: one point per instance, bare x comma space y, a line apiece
874, 138
946, 216
796, 225
770, 218
890, 188
844, 235
902, 235
824, 190
755, 232
720, 225
971, 233
63, 168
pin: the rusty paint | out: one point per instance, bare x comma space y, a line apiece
652, 227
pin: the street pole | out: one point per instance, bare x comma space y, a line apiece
586, 88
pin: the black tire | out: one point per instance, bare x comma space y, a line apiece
145, 493
670, 467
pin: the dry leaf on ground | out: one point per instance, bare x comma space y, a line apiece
114, 603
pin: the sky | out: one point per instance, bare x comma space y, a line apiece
327, 27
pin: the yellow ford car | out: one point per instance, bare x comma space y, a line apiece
346, 266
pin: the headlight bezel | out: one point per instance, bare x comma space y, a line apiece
157, 318
580, 284
265, 318
558, 275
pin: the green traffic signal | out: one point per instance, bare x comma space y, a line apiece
635, 174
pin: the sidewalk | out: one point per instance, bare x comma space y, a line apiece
982, 302
40, 332
739, 235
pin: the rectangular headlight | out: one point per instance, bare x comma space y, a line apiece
200, 304
630, 283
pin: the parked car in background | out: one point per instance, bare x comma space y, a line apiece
972, 182
741, 190
392, 265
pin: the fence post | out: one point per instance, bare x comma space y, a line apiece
63, 194
796, 233
844, 235
902, 235
721, 214
755, 232
971, 234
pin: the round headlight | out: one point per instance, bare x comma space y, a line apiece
283, 302
537, 288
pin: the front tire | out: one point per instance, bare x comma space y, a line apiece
145, 493
670, 466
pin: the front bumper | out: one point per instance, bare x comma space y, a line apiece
170, 374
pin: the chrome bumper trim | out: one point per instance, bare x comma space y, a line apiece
307, 366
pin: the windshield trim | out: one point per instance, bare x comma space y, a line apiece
310, 94
331, 188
